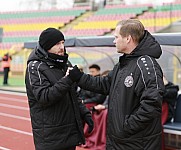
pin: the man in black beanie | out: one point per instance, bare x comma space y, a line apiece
56, 112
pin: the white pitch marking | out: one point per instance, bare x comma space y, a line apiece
12, 99
15, 130
3, 148
14, 116
13, 93
16, 107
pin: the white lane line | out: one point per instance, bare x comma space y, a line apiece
15, 130
3, 148
12, 106
14, 116
13, 99
12, 93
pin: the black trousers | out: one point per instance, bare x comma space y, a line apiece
6, 72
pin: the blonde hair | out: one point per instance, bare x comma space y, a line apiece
132, 27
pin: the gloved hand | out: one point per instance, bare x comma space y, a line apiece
89, 121
75, 74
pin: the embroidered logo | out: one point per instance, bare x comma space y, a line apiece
128, 82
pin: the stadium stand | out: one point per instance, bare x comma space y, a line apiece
161, 16
104, 20
22, 26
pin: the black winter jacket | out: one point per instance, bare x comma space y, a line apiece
170, 96
91, 97
56, 113
135, 88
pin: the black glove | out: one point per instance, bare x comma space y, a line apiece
89, 121
75, 74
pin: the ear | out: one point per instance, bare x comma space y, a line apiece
129, 38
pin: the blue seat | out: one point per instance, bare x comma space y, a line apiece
173, 126
177, 117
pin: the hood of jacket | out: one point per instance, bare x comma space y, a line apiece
148, 46
51, 59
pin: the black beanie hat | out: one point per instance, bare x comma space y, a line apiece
49, 37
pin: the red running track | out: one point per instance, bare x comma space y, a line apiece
15, 123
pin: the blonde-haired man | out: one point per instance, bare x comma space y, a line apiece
135, 88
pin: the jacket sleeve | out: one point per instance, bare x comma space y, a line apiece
96, 84
149, 89
44, 92
83, 109
98, 98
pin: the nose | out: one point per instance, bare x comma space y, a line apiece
61, 47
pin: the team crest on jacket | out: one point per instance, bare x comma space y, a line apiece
128, 82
